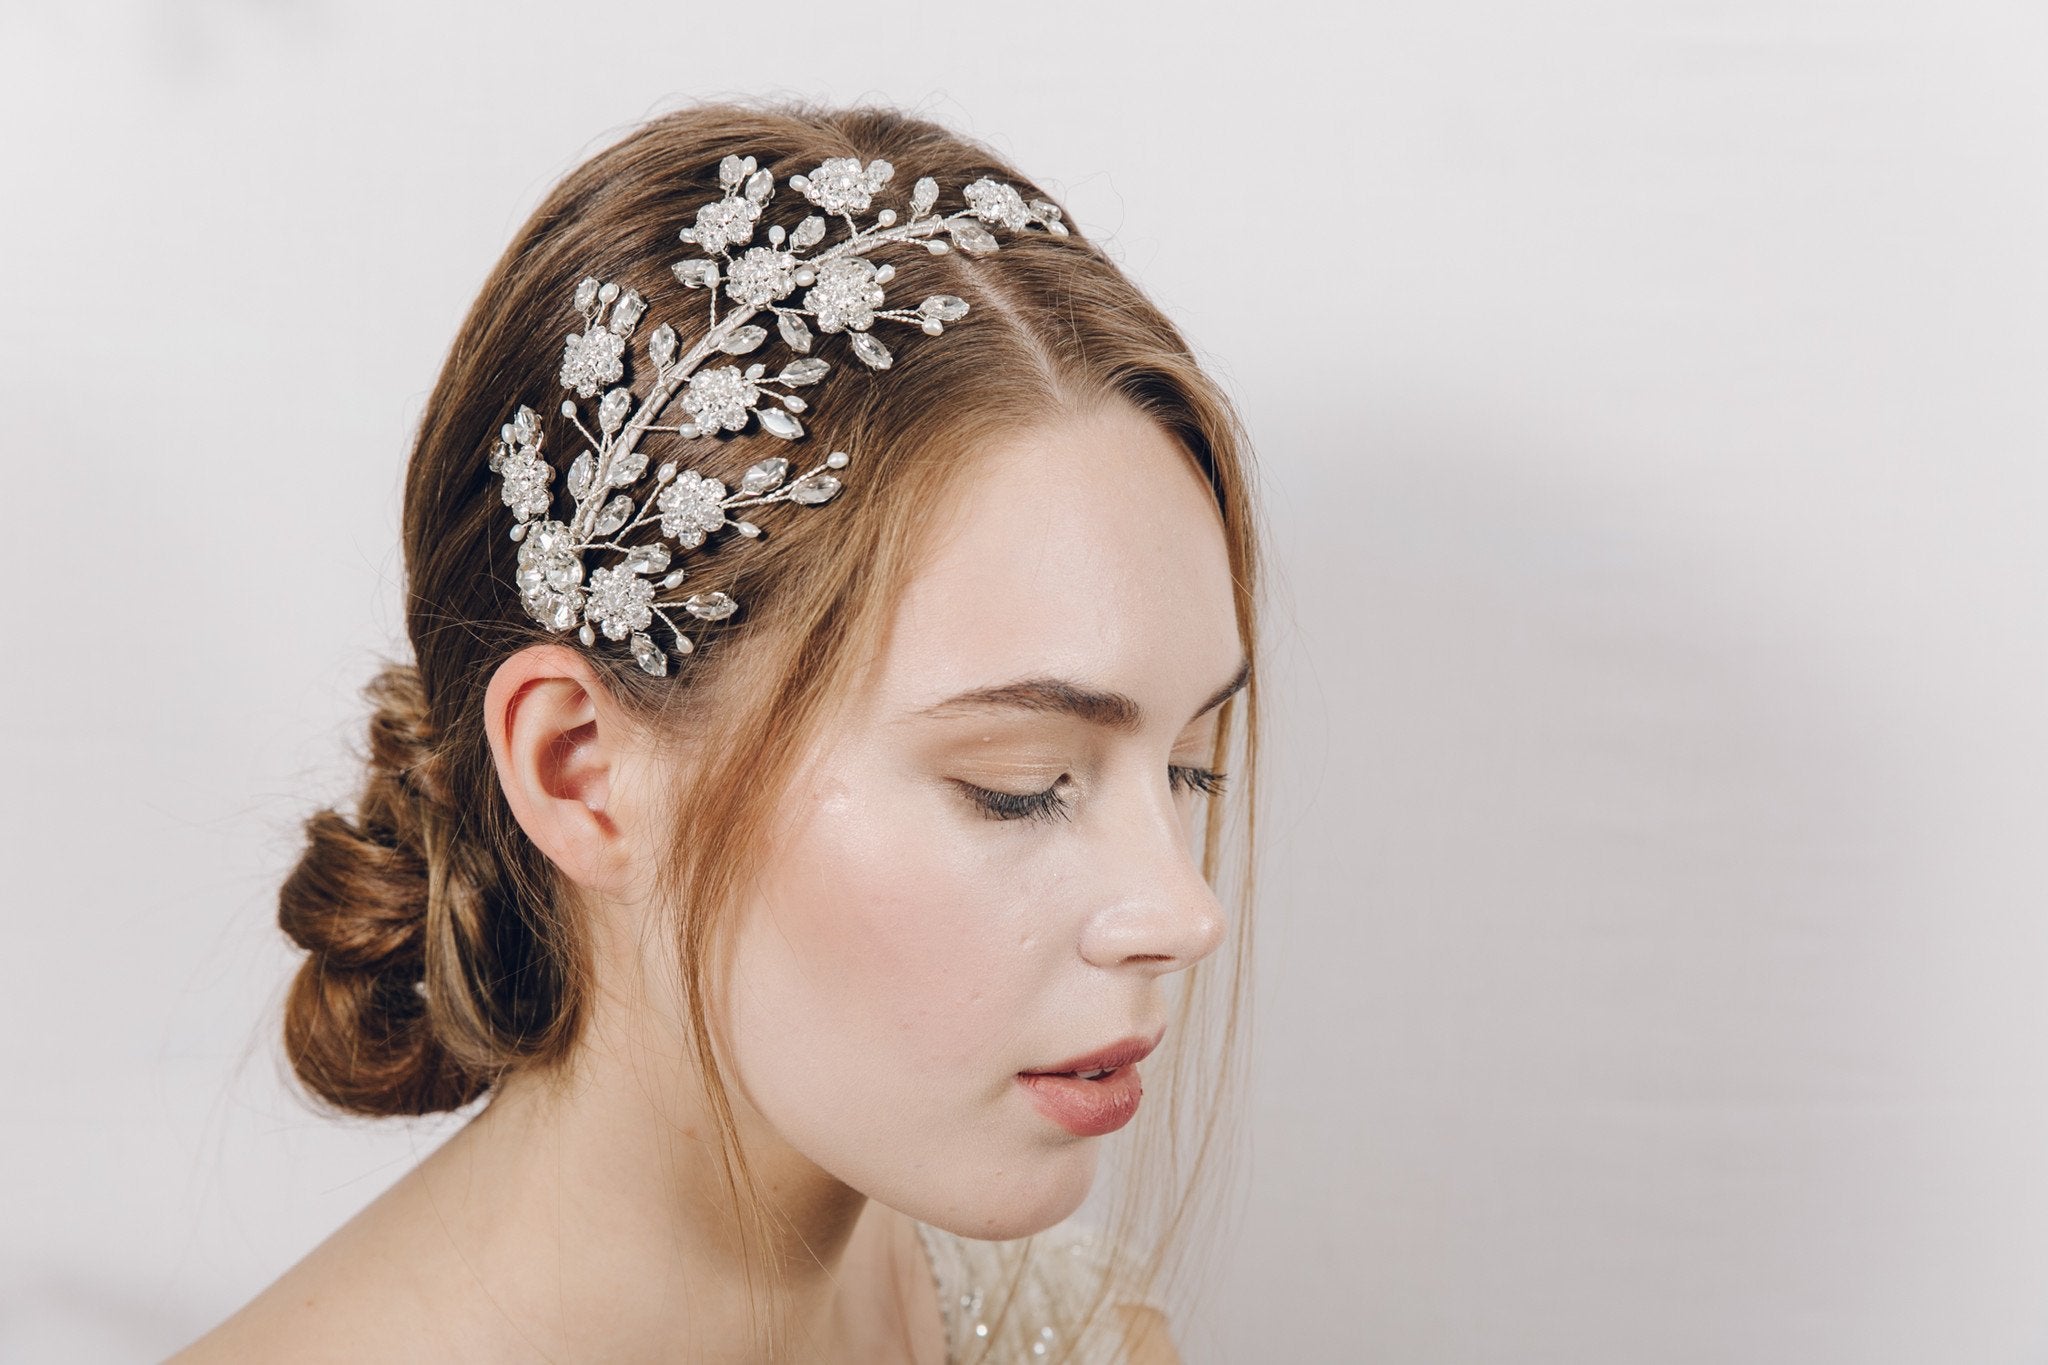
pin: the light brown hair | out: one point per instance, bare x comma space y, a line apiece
443, 947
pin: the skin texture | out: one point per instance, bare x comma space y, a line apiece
905, 957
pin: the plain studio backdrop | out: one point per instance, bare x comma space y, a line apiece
1653, 964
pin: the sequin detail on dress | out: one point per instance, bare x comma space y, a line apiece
1068, 1263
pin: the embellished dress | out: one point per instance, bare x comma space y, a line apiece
1068, 1263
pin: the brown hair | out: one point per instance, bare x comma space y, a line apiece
441, 948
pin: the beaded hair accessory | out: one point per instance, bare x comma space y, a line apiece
843, 292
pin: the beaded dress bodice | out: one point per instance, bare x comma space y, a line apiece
1067, 1264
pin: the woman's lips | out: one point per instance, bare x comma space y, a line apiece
1135, 1048
1086, 1108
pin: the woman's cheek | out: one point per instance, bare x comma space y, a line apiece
907, 925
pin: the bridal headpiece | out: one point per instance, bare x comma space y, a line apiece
843, 291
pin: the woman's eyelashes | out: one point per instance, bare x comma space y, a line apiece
1046, 805
1053, 804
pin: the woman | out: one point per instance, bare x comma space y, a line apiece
804, 922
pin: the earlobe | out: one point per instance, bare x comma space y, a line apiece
554, 740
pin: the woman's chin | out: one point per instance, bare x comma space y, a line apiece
1001, 1206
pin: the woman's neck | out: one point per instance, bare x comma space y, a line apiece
588, 1206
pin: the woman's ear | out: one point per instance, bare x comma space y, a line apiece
560, 745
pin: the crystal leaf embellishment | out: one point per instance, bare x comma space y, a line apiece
616, 513
710, 606
662, 345
796, 334
815, 489
644, 559
757, 266
743, 340
871, 350
767, 474
973, 238
648, 654
627, 468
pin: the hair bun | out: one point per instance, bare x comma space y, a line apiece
357, 1028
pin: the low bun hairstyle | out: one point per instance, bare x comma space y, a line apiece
442, 948
356, 1027
374, 896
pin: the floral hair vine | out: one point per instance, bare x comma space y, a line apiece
843, 292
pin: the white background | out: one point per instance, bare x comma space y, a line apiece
1654, 958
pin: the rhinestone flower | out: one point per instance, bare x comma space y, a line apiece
843, 292
761, 276
550, 574
995, 202
846, 295
724, 223
690, 508
841, 186
591, 360
721, 398
619, 601
526, 482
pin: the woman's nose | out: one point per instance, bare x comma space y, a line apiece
1156, 911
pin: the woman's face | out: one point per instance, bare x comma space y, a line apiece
911, 951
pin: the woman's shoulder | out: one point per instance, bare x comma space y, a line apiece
315, 1315
373, 1289
1027, 1298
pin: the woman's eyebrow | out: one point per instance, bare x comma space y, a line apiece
1112, 710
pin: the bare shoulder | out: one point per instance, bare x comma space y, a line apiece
279, 1324
365, 1293
258, 1333
311, 1317
1150, 1341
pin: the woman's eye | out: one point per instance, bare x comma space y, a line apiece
1051, 804
1045, 805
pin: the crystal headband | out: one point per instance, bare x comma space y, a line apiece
843, 292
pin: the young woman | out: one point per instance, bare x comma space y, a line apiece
801, 894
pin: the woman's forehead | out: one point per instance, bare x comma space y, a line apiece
1089, 548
